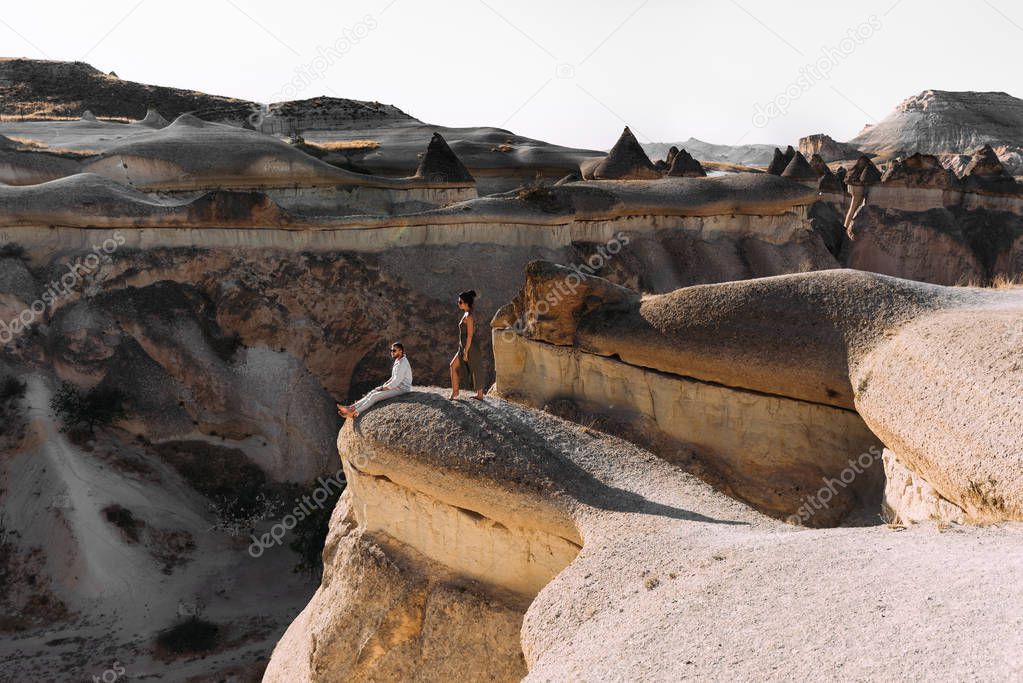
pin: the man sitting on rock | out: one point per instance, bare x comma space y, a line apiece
399, 383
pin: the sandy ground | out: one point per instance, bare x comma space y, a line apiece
117, 591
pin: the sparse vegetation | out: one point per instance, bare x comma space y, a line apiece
346, 145
192, 636
310, 535
97, 407
541, 195
240, 494
11, 389
123, 519
13, 250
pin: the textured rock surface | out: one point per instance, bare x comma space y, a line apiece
827, 148
938, 121
908, 499
383, 612
660, 550
864, 341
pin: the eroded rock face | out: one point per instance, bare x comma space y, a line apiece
909, 499
827, 148
799, 169
920, 170
847, 325
863, 173
385, 613
938, 121
963, 245
653, 536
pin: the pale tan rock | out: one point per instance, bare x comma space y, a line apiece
864, 341
384, 613
908, 498
660, 549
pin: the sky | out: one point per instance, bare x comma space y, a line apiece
571, 72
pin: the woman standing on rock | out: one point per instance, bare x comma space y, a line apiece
467, 363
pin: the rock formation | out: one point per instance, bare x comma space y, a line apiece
985, 173
625, 161
670, 157
781, 160
828, 182
799, 169
152, 119
505, 513
827, 148
919, 171
942, 122
440, 164
703, 334
685, 166
863, 173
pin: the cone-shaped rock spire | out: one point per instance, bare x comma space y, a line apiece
919, 170
625, 161
440, 163
685, 166
799, 169
781, 160
863, 173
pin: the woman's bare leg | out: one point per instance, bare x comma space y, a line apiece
454, 377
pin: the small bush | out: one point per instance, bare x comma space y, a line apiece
311, 536
95, 408
123, 519
13, 250
11, 389
541, 195
194, 636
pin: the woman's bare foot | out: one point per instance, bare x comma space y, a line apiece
453, 397
479, 396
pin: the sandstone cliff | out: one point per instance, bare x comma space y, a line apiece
445, 497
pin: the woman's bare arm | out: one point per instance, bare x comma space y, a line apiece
469, 327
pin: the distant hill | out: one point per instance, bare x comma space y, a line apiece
941, 122
42, 89
745, 155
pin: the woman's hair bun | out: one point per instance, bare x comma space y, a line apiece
468, 297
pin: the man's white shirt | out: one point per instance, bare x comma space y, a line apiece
401, 375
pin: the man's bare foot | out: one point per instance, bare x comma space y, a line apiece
478, 397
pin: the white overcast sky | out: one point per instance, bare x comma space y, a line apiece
571, 72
